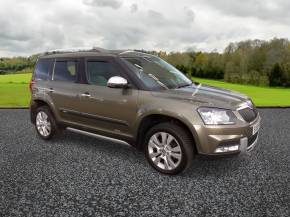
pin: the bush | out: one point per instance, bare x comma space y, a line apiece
263, 80
183, 69
246, 78
234, 78
207, 73
254, 77
276, 75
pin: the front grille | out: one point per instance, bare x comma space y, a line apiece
248, 114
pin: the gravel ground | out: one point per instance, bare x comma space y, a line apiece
76, 175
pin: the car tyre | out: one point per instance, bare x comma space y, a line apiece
169, 148
45, 123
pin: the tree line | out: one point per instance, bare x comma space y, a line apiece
256, 62
17, 64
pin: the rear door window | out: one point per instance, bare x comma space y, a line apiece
65, 71
42, 69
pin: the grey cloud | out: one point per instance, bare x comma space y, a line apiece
12, 36
189, 14
272, 10
155, 18
155, 15
151, 24
115, 4
134, 8
124, 38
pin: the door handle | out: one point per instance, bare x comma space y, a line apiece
100, 99
51, 90
85, 95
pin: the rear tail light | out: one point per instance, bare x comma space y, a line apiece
31, 83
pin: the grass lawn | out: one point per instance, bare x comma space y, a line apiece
14, 91
15, 78
14, 95
262, 96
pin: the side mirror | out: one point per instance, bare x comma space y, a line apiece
117, 82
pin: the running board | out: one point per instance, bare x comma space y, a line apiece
96, 136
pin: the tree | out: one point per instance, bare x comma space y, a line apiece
276, 75
183, 69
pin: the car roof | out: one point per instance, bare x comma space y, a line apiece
95, 52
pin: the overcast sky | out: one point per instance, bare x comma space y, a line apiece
32, 26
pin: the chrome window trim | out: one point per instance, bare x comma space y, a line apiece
52, 77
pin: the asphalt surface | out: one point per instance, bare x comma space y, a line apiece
76, 175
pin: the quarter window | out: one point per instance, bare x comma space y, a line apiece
65, 71
42, 69
99, 72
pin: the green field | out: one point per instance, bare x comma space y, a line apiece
14, 95
262, 96
15, 78
14, 91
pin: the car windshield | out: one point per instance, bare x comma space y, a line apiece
156, 74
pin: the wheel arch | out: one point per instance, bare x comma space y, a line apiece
148, 121
36, 103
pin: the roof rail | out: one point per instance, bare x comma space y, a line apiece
137, 52
73, 50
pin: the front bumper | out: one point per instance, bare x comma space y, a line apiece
245, 144
224, 140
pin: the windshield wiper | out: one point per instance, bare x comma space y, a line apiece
158, 81
184, 85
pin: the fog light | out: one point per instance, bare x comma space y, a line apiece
227, 148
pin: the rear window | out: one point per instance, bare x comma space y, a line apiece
65, 71
42, 69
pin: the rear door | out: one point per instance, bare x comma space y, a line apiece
41, 76
110, 110
62, 89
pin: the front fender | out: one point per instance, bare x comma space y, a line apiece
143, 113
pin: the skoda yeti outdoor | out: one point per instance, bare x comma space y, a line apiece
142, 100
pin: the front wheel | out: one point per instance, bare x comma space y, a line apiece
169, 148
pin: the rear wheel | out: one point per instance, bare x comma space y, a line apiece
45, 123
169, 148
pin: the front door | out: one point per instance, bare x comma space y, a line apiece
109, 110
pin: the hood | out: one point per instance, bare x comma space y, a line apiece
206, 95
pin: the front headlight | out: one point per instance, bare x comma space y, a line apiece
216, 116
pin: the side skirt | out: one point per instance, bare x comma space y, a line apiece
97, 136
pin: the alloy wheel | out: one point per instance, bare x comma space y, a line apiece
164, 151
43, 124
